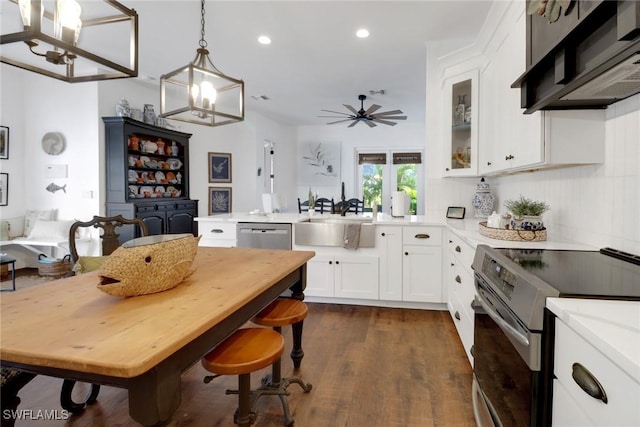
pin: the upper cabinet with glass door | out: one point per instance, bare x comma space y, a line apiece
461, 124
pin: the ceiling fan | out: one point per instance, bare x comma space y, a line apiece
368, 116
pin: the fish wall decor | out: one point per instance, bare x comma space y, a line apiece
148, 264
53, 187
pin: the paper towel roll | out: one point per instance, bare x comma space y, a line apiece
400, 203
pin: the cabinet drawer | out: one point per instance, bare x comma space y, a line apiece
186, 205
463, 287
424, 236
463, 323
622, 391
463, 252
146, 208
214, 243
218, 230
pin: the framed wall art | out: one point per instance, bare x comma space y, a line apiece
219, 167
219, 200
4, 189
319, 164
4, 142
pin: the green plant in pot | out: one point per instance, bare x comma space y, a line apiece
527, 213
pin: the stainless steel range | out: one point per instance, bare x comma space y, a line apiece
513, 332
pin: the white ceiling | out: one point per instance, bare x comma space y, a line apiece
315, 61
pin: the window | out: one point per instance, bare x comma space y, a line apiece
381, 173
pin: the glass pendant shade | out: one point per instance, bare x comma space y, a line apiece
70, 40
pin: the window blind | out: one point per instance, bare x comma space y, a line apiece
372, 158
407, 158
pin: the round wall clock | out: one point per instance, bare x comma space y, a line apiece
53, 143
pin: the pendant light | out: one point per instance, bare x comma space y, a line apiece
55, 47
200, 93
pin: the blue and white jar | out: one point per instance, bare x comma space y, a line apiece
527, 222
482, 200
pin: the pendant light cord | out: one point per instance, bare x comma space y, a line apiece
203, 42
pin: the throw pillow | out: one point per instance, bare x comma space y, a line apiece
31, 216
86, 264
51, 230
4, 230
16, 227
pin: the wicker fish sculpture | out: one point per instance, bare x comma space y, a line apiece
148, 265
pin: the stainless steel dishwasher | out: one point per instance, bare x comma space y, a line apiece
264, 235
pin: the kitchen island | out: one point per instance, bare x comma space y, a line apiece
69, 329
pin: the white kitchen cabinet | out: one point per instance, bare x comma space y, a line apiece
422, 264
217, 234
461, 124
622, 407
344, 276
389, 244
511, 141
460, 289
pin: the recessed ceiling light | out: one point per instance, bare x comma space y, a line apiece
264, 40
362, 33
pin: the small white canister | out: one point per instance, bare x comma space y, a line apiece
495, 220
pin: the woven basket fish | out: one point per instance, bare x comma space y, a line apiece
148, 265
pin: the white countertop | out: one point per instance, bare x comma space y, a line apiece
613, 327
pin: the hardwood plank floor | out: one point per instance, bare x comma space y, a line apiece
369, 366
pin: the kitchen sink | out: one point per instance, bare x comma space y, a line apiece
329, 231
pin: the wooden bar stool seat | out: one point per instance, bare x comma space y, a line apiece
245, 351
282, 312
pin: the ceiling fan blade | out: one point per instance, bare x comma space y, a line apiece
370, 123
389, 113
350, 108
340, 121
390, 117
338, 112
370, 110
355, 122
385, 122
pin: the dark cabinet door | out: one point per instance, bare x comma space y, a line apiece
155, 222
180, 222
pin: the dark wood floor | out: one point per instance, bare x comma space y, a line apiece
369, 367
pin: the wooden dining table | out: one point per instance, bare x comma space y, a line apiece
68, 328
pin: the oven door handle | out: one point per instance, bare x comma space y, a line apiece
507, 328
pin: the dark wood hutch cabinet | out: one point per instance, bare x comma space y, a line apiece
148, 177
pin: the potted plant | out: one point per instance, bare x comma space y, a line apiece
527, 213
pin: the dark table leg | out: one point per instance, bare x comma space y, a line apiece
155, 396
297, 292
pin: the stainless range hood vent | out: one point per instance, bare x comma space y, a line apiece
620, 82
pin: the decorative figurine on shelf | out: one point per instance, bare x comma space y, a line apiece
482, 200
123, 109
149, 114
461, 160
460, 110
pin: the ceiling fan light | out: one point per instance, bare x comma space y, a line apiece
264, 40
362, 33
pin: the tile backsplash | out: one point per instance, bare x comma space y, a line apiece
597, 205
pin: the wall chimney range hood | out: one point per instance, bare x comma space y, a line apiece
589, 58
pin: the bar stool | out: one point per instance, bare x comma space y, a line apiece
282, 312
245, 351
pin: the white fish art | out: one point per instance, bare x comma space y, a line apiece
53, 187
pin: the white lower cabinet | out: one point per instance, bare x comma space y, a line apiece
345, 276
422, 264
217, 234
577, 361
460, 289
389, 244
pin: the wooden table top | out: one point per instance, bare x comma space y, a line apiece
70, 324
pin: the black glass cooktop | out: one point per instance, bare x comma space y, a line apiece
586, 274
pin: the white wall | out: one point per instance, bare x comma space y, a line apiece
401, 136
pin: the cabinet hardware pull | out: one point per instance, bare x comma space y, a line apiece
452, 264
216, 230
457, 315
382, 234
337, 262
509, 157
447, 169
422, 236
458, 279
406, 253
588, 383
330, 262
471, 351
458, 249
450, 241
488, 163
